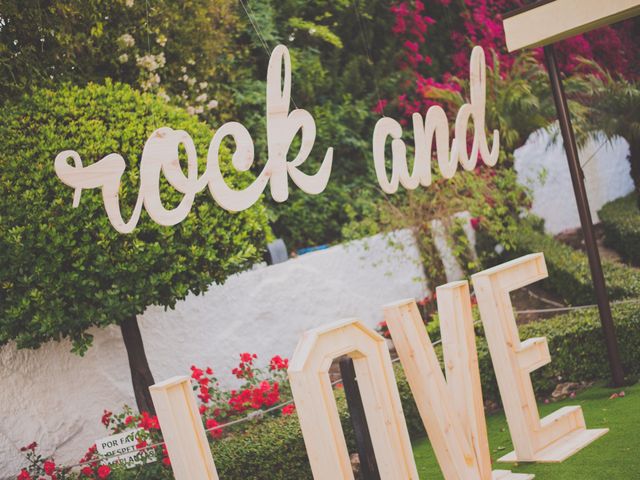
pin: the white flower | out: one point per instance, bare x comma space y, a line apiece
151, 62
201, 98
191, 110
183, 69
212, 104
161, 40
499, 248
191, 61
191, 82
129, 3
199, 109
124, 58
126, 40
160, 58
185, 78
151, 82
163, 95
203, 85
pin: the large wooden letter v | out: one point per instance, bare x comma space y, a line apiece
452, 409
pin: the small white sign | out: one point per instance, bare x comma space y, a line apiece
122, 448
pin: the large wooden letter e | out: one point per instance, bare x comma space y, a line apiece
559, 435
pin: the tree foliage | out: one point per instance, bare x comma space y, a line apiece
64, 270
185, 51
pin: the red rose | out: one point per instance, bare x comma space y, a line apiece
87, 471
103, 471
24, 475
106, 418
288, 409
49, 467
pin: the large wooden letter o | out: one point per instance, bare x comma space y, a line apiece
317, 411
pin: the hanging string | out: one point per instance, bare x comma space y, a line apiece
146, 4
256, 28
367, 51
594, 154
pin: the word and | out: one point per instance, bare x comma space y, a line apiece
160, 155
436, 126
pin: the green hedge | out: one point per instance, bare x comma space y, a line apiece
621, 222
569, 274
274, 448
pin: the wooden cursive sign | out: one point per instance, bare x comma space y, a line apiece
160, 154
435, 125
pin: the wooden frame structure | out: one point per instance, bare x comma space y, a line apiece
555, 20
182, 429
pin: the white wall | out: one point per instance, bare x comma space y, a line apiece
56, 398
543, 167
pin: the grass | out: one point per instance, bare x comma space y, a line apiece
615, 456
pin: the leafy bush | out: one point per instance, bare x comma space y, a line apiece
569, 274
187, 52
621, 222
63, 269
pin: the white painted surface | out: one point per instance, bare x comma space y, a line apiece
56, 398
543, 167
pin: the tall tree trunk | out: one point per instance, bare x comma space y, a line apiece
141, 375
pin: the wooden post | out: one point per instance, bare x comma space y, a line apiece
542, 24
366, 455
559, 435
182, 430
582, 201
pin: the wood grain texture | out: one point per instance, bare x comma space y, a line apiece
560, 19
182, 429
317, 411
435, 126
534, 439
160, 156
451, 410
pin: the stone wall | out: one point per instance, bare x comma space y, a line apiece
542, 165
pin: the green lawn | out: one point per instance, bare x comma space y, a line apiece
615, 456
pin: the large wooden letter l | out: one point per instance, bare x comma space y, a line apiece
558, 435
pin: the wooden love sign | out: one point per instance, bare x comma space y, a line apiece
160, 155
451, 408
